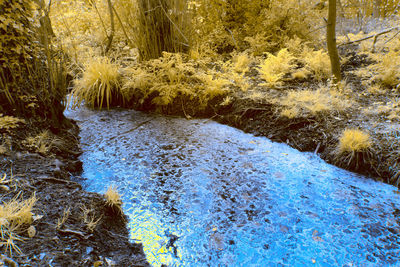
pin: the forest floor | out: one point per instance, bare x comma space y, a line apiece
72, 227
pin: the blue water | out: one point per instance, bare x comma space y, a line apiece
199, 193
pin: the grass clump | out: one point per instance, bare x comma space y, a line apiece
318, 63
15, 218
99, 83
113, 199
314, 102
354, 140
354, 149
388, 69
42, 143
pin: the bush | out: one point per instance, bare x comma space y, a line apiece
98, 85
354, 140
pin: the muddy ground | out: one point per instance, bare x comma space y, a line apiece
73, 242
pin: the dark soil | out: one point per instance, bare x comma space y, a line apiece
72, 243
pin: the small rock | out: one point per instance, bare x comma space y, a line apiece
31, 231
4, 188
89, 250
58, 163
110, 262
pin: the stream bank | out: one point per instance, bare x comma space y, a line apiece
47, 175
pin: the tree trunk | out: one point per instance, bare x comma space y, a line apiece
111, 36
377, 8
331, 41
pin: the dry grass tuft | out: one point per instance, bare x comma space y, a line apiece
15, 218
42, 143
354, 140
100, 81
61, 221
354, 149
89, 218
113, 198
314, 102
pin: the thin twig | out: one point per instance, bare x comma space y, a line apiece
122, 26
370, 36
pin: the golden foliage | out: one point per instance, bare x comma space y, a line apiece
99, 83
318, 63
15, 218
314, 102
366, 8
387, 68
274, 68
9, 122
354, 140
261, 26
171, 77
113, 198
42, 143
241, 62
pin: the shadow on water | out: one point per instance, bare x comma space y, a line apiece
200, 193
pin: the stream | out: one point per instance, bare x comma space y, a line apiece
198, 193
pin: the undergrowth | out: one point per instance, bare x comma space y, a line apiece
320, 102
15, 219
99, 84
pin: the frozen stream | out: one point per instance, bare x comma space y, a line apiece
199, 193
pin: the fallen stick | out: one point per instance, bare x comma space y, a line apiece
371, 36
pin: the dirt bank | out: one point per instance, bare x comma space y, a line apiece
72, 227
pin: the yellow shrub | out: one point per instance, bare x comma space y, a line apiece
274, 68
241, 62
290, 113
388, 68
9, 122
100, 81
354, 140
172, 76
214, 85
318, 63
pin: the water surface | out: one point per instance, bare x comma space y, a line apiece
199, 193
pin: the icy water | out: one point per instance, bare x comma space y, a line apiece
199, 193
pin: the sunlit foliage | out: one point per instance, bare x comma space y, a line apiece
15, 218
99, 84
312, 102
354, 140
